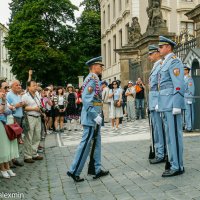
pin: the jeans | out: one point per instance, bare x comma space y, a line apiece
139, 104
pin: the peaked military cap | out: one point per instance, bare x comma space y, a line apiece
152, 49
186, 67
104, 82
163, 40
97, 60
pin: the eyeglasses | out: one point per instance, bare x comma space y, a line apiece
6, 87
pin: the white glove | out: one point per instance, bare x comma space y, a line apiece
176, 111
156, 108
189, 102
98, 120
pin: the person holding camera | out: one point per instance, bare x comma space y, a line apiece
115, 110
139, 99
33, 111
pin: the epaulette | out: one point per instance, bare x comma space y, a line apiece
93, 77
174, 57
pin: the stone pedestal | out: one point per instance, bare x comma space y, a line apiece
194, 15
138, 55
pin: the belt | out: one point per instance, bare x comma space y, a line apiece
166, 86
34, 116
155, 88
97, 104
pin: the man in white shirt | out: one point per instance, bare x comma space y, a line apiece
32, 137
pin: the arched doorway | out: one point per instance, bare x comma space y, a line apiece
196, 77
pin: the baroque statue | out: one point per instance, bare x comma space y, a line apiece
134, 32
155, 15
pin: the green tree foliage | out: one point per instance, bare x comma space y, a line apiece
88, 34
39, 38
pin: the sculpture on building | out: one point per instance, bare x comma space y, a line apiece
134, 32
155, 15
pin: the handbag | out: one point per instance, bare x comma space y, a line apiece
13, 131
117, 103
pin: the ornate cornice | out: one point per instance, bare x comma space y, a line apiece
194, 14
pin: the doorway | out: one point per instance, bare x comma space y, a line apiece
195, 73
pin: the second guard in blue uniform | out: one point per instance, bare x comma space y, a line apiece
158, 132
171, 103
189, 100
90, 117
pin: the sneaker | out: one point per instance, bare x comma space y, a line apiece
11, 173
40, 151
116, 129
61, 130
5, 174
113, 128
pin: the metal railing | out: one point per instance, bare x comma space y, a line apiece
181, 50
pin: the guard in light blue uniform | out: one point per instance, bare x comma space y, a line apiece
90, 117
158, 132
189, 100
171, 103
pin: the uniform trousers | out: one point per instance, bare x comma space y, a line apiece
32, 137
189, 116
83, 151
174, 139
158, 133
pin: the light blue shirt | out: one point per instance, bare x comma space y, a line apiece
13, 99
117, 92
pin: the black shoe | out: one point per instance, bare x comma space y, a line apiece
101, 173
75, 178
157, 160
170, 172
187, 131
18, 163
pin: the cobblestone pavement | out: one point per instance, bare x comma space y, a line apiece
124, 153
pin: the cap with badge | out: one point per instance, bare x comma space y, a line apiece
104, 82
93, 61
163, 41
153, 49
186, 67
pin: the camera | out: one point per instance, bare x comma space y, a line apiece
43, 110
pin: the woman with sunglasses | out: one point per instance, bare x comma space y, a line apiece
115, 96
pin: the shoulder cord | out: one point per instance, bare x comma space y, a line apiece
97, 88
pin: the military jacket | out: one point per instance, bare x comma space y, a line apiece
171, 84
153, 86
92, 100
189, 89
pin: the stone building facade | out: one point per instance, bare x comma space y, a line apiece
116, 17
5, 68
